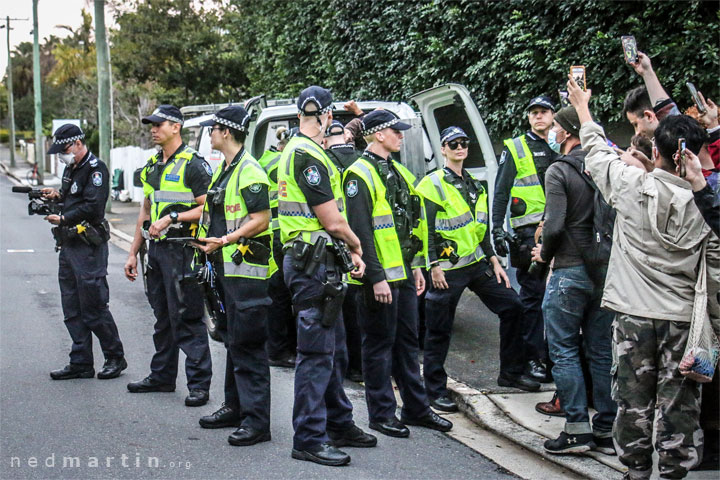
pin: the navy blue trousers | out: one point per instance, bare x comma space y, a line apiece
440, 308
82, 275
281, 322
320, 400
390, 348
178, 303
247, 374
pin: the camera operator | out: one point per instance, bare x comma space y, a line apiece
659, 240
82, 233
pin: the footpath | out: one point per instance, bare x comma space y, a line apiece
507, 412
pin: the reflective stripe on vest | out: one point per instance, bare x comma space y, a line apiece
385, 236
476, 256
295, 216
454, 220
170, 192
526, 185
246, 172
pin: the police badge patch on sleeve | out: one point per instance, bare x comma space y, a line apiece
351, 189
208, 169
312, 175
255, 187
97, 179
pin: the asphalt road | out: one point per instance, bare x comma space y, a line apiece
48, 425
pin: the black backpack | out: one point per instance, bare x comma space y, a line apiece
596, 258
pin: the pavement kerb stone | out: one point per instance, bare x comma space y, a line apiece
484, 412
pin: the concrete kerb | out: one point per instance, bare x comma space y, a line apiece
479, 408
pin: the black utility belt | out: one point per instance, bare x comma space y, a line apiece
93, 235
307, 257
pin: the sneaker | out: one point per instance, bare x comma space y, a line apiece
604, 445
567, 443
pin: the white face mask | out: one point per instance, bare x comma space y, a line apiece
553, 143
66, 158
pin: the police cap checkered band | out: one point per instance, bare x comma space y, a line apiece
230, 123
160, 114
60, 141
322, 111
377, 128
164, 112
451, 133
378, 120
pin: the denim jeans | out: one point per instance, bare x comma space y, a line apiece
572, 304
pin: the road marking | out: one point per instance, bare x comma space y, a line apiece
29, 250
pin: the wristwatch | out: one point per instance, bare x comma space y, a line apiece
174, 217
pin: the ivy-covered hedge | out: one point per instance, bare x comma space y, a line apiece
504, 51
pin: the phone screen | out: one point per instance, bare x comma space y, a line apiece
630, 48
578, 74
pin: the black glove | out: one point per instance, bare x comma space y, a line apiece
499, 240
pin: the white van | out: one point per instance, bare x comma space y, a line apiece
438, 108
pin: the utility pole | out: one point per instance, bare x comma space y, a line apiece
11, 108
39, 157
104, 89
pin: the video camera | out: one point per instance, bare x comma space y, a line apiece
39, 205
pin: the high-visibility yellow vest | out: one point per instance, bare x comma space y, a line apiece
246, 172
526, 185
295, 215
456, 221
270, 161
173, 191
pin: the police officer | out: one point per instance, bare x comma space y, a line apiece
386, 213
235, 230
281, 341
520, 180
343, 155
311, 212
175, 181
461, 256
83, 233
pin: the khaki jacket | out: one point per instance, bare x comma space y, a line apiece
657, 238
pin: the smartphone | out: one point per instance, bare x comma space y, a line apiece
564, 101
578, 74
630, 48
680, 162
696, 98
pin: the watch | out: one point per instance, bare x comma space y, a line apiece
174, 217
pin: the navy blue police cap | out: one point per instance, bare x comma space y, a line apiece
64, 135
234, 116
335, 128
318, 97
451, 133
378, 120
541, 101
164, 112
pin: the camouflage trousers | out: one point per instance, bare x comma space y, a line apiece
646, 354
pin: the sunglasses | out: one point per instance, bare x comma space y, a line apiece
455, 144
212, 129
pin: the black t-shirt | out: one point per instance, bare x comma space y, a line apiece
342, 155
312, 176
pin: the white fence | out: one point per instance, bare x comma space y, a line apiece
129, 159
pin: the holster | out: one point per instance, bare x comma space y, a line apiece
252, 251
58, 236
333, 297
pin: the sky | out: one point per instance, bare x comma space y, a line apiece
50, 14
